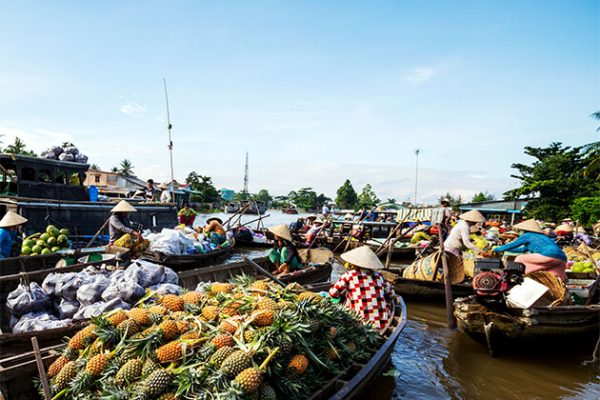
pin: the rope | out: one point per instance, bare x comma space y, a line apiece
595, 354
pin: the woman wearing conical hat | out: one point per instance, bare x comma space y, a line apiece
284, 254
543, 254
366, 290
459, 237
8, 232
119, 223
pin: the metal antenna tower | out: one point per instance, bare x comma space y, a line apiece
246, 176
170, 146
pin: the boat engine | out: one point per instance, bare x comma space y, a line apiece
492, 279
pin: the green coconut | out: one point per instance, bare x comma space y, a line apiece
36, 249
29, 243
52, 230
62, 239
51, 241
46, 251
26, 250
55, 249
64, 231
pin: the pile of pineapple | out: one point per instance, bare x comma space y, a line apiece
241, 340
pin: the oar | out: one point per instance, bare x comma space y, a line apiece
97, 233
254, 220
447, 285
260, 269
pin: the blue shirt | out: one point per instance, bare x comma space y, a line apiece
534, 243
7, 239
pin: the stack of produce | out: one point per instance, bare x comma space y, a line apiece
64, 153
242, 340
182, 240
136, 246
48, 242
64, 297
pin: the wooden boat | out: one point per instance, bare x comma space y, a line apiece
501, 327
424, 290
187, 261
17, 372
242, 242
290, 210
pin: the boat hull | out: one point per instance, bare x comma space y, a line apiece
433, 291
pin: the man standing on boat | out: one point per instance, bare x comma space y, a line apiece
365, 289
119, 223
8, 232
151, 192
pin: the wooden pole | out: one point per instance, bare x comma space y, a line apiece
97, 233
447, 285
40, 367
260, 269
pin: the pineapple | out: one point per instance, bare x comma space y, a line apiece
249, 380
220, 355
158, 309
266, 392
192, 297
259, 286
66, 374
190, 335
169, 329
222, 340
129, 326
129, 372
170, 352
238, 361
57, 365
351, 347
172, 302
297, 365
141, 316
183, 326
149, 367
266, 303
117, 318
168, 396
332, 332
229, 325
156, 383
219, 287
210, 313
310, 296
83, 338
96, 365
70, 353
263, 318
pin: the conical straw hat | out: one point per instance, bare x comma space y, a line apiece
11, 218
581, 229
564, 228
530, 225
123, 206
472, 216
363, 257
282, 231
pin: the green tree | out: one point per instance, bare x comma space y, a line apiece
367, 198
67, 144
553, 181
126, 168
207, 193
94, 167
19, 147
115, 170
304, 198
481, 196
322, 200
346, 196
391, 200
263, 196
586, 210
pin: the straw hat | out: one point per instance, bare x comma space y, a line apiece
581, 229
349, 216
281, 231
123, 206
472, 216
363, 257
530, 225
219, 220
564, 228
318, 221
162, 186
11, 218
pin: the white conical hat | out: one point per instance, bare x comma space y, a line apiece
282, 231
123, 206
363, 257
530, 225
472, 216
564, 228
11, 218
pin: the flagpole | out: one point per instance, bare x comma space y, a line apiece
170, 146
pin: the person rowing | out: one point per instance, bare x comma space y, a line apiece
366, 290
459, 237
214, 231
119, 223
543, 253
284, 254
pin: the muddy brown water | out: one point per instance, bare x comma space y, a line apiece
431, 361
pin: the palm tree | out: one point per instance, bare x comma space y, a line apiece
592, 154
18, 147
94, 167
126, 168
114, 170
67, 144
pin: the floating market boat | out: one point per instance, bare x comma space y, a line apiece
423, 289
180, 262
290, 210
241, 241
502, 327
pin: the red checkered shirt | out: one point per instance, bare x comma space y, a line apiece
367, 293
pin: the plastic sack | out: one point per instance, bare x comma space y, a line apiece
38, 321
66, 157
100, 308
126, 291
49, 283
170, 276
91, 293
68, 284
166, 288
26, 299
67, 308
57, 150
144, 273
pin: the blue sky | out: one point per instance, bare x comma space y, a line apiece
316, 91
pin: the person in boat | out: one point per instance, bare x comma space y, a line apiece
459, 236
214, 231
165, 194
365, 289
119, 223
315, 229
187, 215
297, 225
446, 217
284, 254
325, 211
243, 234
9, 225
151, 192
543, 253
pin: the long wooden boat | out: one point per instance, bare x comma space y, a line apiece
17, 372
501, 327
241, 242
425, 290
187, 261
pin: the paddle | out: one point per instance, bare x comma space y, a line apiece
447, 285
260, 269
97, 233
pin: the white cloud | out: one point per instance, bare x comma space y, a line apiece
134, 109
420, 75
36, 139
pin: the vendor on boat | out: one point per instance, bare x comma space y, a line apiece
9, 225
366, 290
459, 237
214, 231
544, 253
187, 215
446, 216
315, 229
165, 194
119, 224
151, 192
284, 254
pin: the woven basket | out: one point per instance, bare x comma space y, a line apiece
557, 294
424, 269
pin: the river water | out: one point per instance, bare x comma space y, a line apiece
431, 361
